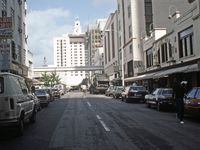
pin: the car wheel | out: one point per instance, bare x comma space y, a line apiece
20, 126
33, 116
158, 107
148, 105
126, 100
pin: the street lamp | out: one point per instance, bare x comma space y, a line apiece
122, 52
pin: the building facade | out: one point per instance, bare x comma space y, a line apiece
112, 52
13, 37
173, 52
137, 19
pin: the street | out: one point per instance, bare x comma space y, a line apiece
96, 122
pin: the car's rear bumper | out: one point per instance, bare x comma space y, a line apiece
8, 122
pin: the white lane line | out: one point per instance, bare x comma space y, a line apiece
89, 104
103, 123
98, 117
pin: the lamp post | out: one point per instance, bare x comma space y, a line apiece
122, 53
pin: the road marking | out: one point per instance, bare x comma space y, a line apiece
89, 104
103, 123
98, 117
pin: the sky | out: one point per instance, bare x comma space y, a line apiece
47, 19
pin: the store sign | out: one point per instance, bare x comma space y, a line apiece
5, 22
6, 31
5, 56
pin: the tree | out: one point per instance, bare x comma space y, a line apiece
55, 79
46, 79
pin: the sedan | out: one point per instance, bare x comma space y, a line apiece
192, 101
134, 93
161, 97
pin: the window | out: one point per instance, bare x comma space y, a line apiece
129, 11
164, 52
186, 42
118, 8
113, 43
149, 58
131, 49
1, 85
130, 31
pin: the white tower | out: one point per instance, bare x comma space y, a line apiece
77, 27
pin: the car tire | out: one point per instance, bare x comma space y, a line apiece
158, 107
33, 116
148, 105
126, 100
20, 126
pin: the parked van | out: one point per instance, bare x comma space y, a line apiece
16, 106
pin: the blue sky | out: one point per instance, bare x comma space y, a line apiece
50, 18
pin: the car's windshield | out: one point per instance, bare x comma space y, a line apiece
40, 92
167, 92
138, 88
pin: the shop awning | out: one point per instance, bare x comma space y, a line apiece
140, 77
163, 73
184, 69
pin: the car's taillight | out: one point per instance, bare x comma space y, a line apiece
11, 103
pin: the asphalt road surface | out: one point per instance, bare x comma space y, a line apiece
97, 122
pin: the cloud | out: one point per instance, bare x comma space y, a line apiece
43, 26
103, 2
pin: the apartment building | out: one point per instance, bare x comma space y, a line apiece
69, 51
13, 37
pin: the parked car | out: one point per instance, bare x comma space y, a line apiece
134, 93
160, 98
117, 93
36, 101
51, 93
16, 107
43, 96
109, 91
56, 93
192, 102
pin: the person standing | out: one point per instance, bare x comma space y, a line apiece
179, 90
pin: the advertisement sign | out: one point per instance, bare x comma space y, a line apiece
6, 27
4, 56
5, 22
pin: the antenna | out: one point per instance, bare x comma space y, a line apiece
44, 62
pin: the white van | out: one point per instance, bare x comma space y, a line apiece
16, 106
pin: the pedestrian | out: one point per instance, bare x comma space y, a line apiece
179, 90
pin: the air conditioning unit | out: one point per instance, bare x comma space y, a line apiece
20, 30
4, 13
156, 64
171, 59
20, 2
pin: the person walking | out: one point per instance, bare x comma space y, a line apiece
179, 90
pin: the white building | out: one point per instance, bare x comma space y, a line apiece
112, 49
14, 36
69, 51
